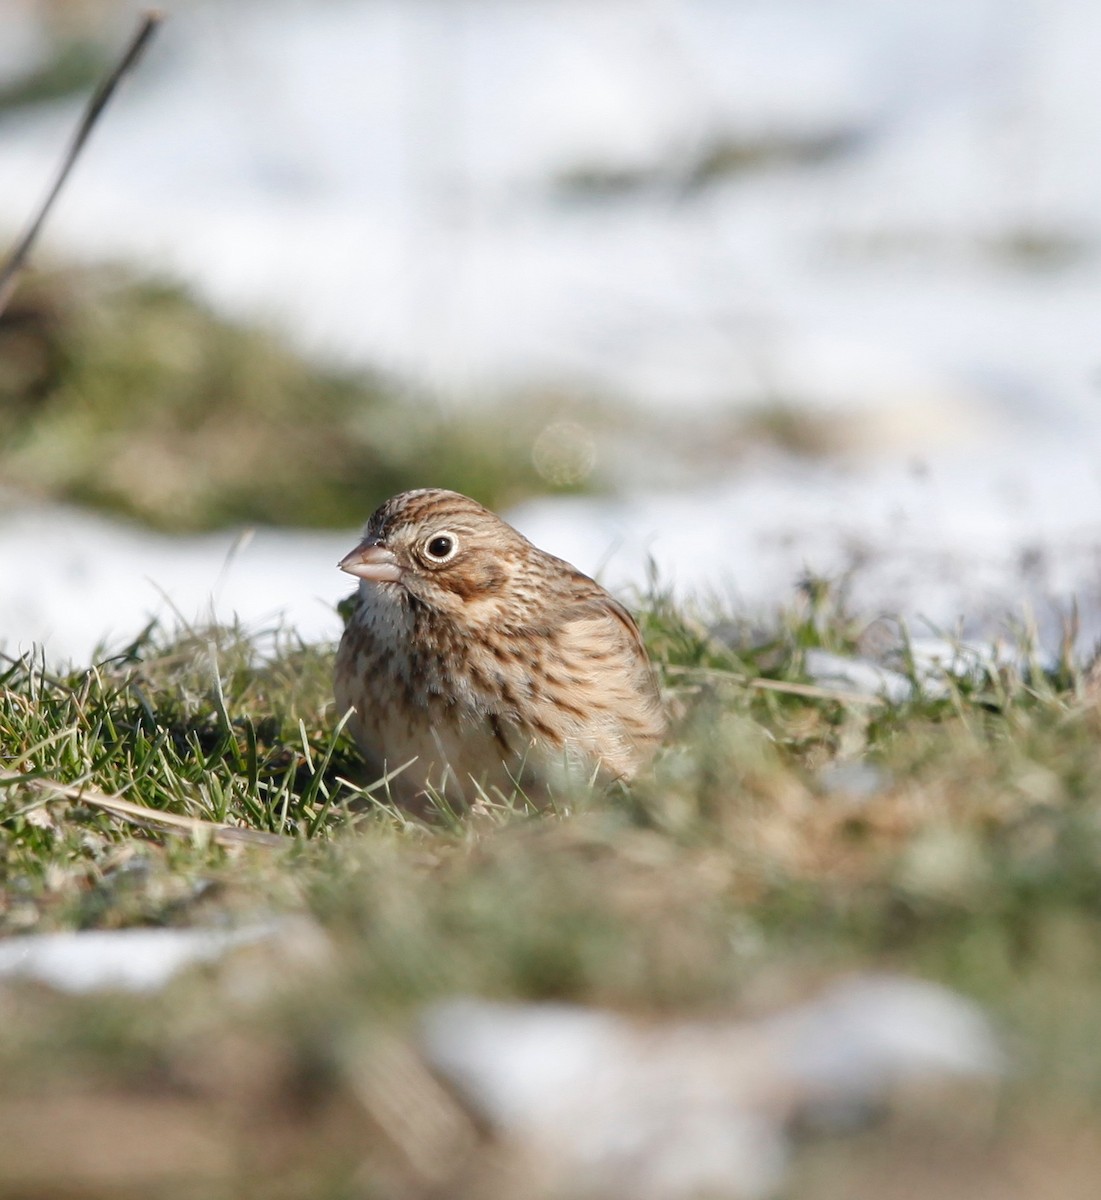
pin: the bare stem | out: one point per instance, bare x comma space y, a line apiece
16, 261
141, 814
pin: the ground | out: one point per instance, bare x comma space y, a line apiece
787, 834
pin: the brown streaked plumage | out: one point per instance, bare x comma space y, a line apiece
483, 662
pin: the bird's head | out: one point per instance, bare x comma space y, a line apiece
443, 549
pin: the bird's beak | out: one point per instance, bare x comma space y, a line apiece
372, 560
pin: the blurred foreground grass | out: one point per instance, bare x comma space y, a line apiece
787, 833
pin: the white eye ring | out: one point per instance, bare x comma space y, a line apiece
441, 547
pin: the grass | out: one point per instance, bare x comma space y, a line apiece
131, 397
738, 874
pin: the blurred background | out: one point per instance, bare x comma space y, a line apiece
733, 290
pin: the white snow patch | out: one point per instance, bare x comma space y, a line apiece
73, 581
961, 545
132, 960
670, 1109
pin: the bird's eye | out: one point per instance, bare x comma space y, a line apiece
441, 547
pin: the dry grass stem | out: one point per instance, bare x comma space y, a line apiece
17, 260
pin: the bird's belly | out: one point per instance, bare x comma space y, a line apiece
439, 748
454, 757
465, 762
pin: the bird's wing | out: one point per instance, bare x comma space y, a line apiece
591, 600
628, 622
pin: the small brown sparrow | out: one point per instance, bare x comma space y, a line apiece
476, 662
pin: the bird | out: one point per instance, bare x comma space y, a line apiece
474, 664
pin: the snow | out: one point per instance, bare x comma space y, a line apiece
75, 582
388, 182
955, 542
669, 1109
132, 960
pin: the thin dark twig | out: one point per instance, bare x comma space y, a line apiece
17, 259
